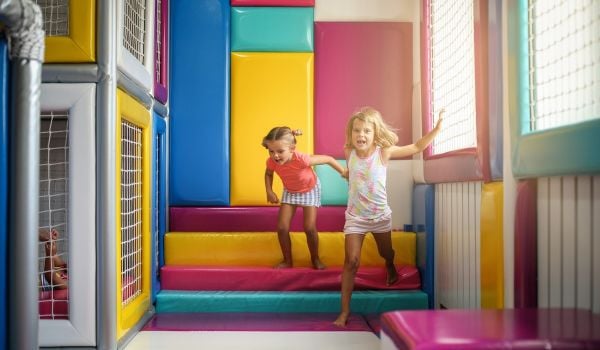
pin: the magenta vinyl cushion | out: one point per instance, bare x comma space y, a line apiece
246, 278
242, 219
493, 329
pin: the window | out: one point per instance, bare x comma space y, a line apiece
564, 62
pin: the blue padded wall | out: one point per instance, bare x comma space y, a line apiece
424, 225
3, 189
159, 199
199, 103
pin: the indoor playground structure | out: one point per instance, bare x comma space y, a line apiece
133, 212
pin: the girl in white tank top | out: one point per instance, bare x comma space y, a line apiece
370, 144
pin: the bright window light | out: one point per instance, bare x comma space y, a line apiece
564, 62
453, 73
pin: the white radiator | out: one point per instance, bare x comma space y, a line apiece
457, 245
569, 242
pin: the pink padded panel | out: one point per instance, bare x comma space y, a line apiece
247, 219
54, 304
358, 64
287, 3
526, 245
270, 279
493, 329
253, 321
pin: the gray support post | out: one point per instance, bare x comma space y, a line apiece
23, 20
106, 302
23, 216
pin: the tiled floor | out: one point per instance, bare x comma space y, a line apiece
264, 331
154, 340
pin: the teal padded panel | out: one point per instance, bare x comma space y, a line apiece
364, 302
334, 188
272, 29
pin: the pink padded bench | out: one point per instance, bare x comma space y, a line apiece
247, 219
490, 329
269, 279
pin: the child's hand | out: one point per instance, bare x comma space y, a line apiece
345, 174
438, 125
272, 198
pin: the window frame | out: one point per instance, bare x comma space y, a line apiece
564, 150
467, 164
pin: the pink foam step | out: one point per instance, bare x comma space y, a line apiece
231, 278
247, 219
256, 322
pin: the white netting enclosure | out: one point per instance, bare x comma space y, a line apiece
564, 62
131, 211
453, 73
56, 16
53, 215
134, 28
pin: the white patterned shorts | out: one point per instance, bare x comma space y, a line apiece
355, 224
311, 198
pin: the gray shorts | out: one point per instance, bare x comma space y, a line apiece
311, 198
355, 224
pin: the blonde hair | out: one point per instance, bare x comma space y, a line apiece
383, 134
281, 133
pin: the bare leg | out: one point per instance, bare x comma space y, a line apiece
286, 213
384, 246
312, 236
353, 246
55, 275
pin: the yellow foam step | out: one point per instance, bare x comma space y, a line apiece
262, 249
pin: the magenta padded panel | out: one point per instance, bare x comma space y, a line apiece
287, 3
526, 245
493, 329
358, 64
54, 304
247, 219
270, 279
253, 321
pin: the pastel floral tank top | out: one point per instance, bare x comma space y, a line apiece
367, 196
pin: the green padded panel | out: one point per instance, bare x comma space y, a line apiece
334, 188
364, 302
272, 29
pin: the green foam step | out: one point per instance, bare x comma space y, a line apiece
364, 302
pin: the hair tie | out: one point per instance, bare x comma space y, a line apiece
297, 132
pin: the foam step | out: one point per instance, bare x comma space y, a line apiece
256, 322
363, 302
262, 249
247, 219
236, 278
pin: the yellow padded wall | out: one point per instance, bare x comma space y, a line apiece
80, 44
267, 90
262, 249
492, 246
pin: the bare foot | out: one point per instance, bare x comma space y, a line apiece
318, 265
392, 275
342, 319
283, 265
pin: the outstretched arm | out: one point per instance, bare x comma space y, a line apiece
322, 159
395, 152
